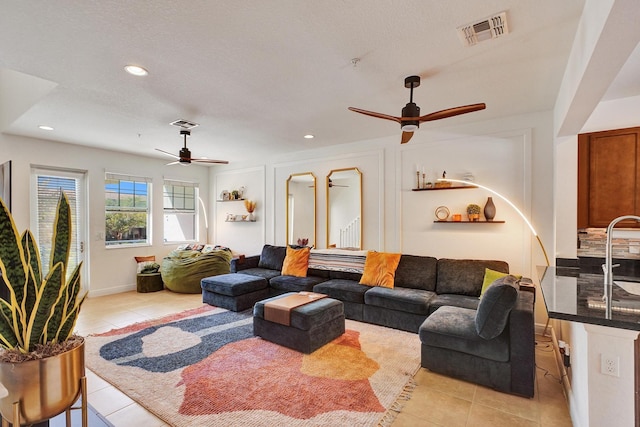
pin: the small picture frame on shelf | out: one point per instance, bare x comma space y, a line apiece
224, 195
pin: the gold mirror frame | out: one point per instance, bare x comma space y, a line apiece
353, 223
303, 180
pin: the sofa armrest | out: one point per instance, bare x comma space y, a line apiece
526, 284
522, 344
243, 263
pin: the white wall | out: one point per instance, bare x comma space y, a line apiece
500, 162
242, 237
109, 270
512, 155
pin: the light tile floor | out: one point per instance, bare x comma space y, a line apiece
436, 401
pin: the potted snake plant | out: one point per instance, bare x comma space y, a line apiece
42, 369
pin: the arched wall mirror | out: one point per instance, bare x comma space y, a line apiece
301, 209
344, 208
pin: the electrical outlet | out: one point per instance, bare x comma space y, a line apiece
610, 365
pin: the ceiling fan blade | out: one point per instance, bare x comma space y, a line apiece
222, 162
450, 112
168, 154
406, 136
172, 163
374, 114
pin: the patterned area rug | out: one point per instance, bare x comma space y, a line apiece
204, 367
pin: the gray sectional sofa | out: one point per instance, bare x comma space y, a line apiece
424, 284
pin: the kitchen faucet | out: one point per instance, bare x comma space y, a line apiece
608, 267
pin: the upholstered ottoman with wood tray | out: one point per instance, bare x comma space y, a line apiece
234, 291
302, 321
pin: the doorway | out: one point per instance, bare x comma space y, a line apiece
46, 185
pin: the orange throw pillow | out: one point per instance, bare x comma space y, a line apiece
296, 262
380, 269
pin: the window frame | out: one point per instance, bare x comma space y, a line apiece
109, 176
169, 211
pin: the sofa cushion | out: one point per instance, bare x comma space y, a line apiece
345, 275
495, 306
266, 273
296, 262
380, 269
462, 301
453, 328
401, 299
272, 257
318, 273
464, 276
295, 284
343, 290
416, 272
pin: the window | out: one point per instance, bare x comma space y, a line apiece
127, 207
180, 211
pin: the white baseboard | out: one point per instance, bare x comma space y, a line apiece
113, 290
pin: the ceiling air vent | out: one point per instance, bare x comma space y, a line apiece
489, 28
184, 124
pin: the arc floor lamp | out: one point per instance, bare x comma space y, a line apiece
526, 220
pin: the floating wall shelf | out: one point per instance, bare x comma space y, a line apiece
459, 187
468, 222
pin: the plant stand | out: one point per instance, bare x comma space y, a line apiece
38, 390
82, 407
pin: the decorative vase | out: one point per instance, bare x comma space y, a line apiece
489, 209
252, 218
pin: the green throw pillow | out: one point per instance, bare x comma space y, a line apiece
491, 276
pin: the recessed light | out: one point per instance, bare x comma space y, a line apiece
136, 70
308, 136
43, 127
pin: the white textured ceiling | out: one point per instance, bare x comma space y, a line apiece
258, 75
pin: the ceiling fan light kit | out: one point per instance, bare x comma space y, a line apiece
410, 118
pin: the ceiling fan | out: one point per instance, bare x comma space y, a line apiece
410, 119
184, 158
331, 184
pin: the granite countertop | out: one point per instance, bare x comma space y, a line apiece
571, 294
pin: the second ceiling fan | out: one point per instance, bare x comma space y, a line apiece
410, 119
184, 157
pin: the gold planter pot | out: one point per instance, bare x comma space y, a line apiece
41, 389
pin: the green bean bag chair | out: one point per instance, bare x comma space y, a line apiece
182, 270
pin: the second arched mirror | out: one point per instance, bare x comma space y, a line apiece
344, 209
301, 209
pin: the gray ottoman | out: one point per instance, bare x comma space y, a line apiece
311, 325
234, 291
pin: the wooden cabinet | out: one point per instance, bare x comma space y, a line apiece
608, 177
